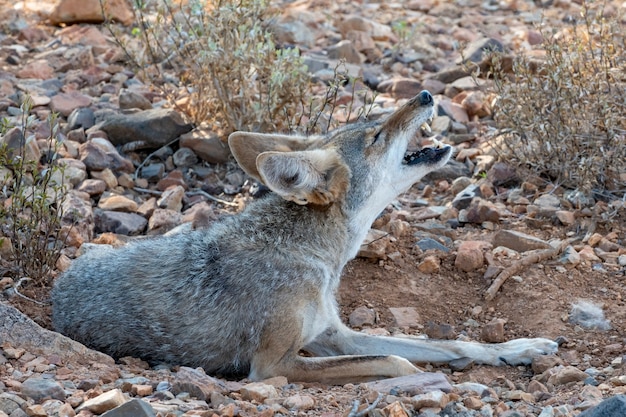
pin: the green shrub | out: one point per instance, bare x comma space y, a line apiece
562, 116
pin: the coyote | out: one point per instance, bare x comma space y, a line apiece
255, 293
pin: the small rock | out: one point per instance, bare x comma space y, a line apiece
362, 316
164, 220
431, 244
130, 224
40, 389
154, 128
453, 110
432, 399
401, 87
132, 408
299, 402
549, 201
395, 409
405, 316
418, 383
518, 241
567, 374
503, 175
197, 383
536, 386
81, 118
258, 391
542, 363
37, 69
493, 332
430, 265
479, 49
462, 364
66, 103
611, 407
99, 154
117, 203
567, 218
132, 100
90, 11
172, 198
184, 157
440, 331
172, 179
470, 256
207, 145
103, 402
345, 50
375, 245
92, 187
464, 198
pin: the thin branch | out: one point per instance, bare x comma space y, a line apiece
355, 407
530, 259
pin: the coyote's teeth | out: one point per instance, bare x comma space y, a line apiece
426, 127
437, 144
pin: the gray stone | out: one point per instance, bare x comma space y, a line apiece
18, 330
478, 49
412, 384
362, 316
152, 172
431, 244
207, 145
155, 127
40, 389
463, 199
132, 408
10, 402
405, 316
501, 174
548, 201
81, 118
611, 407
197, 383
345, 50
400, 87
121, 223
104, 402
518, 241
131, 100
184, 157
99, 154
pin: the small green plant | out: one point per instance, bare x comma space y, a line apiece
218, 62
30, 204
563, 117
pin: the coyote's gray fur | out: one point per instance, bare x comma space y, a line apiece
256, 289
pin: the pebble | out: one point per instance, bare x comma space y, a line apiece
362, 316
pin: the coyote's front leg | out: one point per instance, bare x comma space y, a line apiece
340, 340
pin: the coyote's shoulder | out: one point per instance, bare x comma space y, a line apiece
254, 290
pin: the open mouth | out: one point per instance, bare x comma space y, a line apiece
431, 154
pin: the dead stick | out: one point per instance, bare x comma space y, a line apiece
526, 261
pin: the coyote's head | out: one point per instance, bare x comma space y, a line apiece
361, 166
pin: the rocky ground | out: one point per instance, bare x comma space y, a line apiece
428, 269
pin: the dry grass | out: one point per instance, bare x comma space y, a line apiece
562, 117
217, 61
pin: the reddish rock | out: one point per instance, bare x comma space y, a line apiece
36, 69
470, 256
65, 103
493, 332
90, 11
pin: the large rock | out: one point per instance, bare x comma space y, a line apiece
611, 407
90, 11
155, 127
207, 145
412, 384
18, 330
518, 241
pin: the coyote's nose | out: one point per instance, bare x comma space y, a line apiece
425, 98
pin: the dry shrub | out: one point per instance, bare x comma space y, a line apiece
217, 61
31, 212
562, 116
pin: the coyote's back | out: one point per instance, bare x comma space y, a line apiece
251, 292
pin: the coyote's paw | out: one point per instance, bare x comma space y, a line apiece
522, 351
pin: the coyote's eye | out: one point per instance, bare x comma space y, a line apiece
376, 137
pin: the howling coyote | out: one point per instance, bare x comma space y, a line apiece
254, 291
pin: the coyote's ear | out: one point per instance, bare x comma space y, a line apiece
316, 177
247, 146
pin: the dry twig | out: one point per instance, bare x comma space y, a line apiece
530, 259
354, 412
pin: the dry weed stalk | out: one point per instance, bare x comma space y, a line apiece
563, 118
